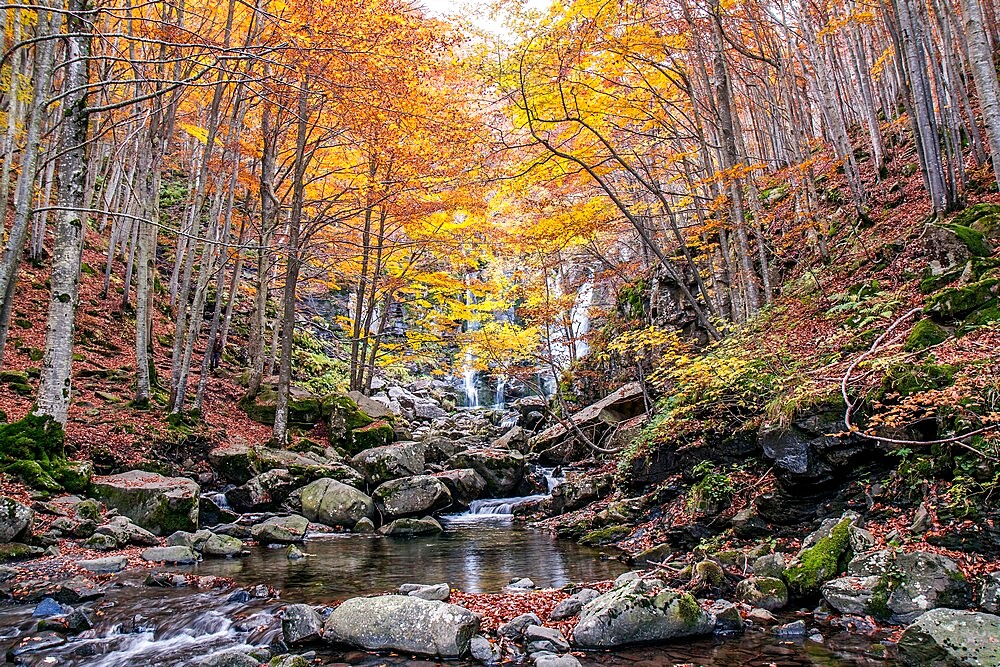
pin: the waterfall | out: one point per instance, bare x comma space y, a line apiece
503, 508
469, 381
581, 316
500, 402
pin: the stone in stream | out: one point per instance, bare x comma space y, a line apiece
194, 541
411, 496
381, 464
364, 526
289, 661
482, 650
521, 584
73, 623
49, 607
403, 623
159, 504
727, 618
333, 503
222, 546
230, 658
514, 628
15, 520
538, 638
637, 612
766, 592
104, 565
281, 530
176, 555
793, 629
427, 592
79, 589
952, 637
464, 484
572, 605
300, 624
549, 660
34, 643
122, 531
410, 527
502, 470
262, 492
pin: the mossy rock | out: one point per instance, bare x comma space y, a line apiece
12, 551
345, 419
820, 563
971, 215
9, 376
606, 535
304, 409
954, 304
925, 334
376, 434
974, 240
908, 379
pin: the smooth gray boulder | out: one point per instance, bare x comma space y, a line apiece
464, 484
15, 520
572, 605
410, 527
280, 530
851, 595
159, 504
412, 496
989, 598
514, 628
334, 503
176, 555
952, 638
427, 591
300, 624
403, 623
539, 638
637, 613
104, 565
262, 492
122, 531
502, 470
549, 660
223, 546
381, 464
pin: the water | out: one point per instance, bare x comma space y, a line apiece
493, 507
139, 626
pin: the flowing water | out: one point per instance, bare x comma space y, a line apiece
139, 626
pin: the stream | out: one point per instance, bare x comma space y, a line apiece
138, 625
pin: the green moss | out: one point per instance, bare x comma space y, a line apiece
956, 303
605, 535
8, 376
376, 434
12, 551
907, 379
974, 213
33, 449
688, 609
925, 334
819, 563
878, 605
975, 241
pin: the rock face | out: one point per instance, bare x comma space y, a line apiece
403, 623
329, 502
381, 464
635, 613
411, 496
281, 530
15, 520
501, 470
159, 504
898, 587
953, 638
555, 444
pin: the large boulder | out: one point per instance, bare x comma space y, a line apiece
381, 464
952, 638
403, 623
411, 527
557, 444
280, 530
238, 464
824, 555
15, 520
263, 492
580, 490
765, 592
898, 587
304, 408
503, 470
159, 504
329, 502
637, 612
300, 623
412, 496
372, 408
464, 484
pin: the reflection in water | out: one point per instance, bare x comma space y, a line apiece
138, 626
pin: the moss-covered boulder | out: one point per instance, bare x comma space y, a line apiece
33, 449
825, 558
304, 408
954, 304
159, 504
376, 434
381, 464
332, 503
412, 496
639, 612
924, 334
353, 430
766, 592
502, 470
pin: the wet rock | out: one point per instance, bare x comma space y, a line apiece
760, 616
176, 555
332, 503
263, 492
104, 565
464, 484
34, 643
49, 607
409, 527
636, 613
231, 658
823, 556
851, 595
427, 592
289, 661
765, 592
771, 565
482, 650
539, 638
124, 532
223, 546
727, 617
183, 538
159, 504
364, 526
793, 629
211, 514
294, 553
514, 628
410, 496
15, 520
952, 637
556, 661
579, 491
73, 623
79, 589
502, 470
382, 464
403, 623
572, 605
300, 624
280, 530
522, 583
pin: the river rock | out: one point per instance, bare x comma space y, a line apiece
427, 592
224, 546
482, 650
898, 587
539, 638
372, 408
549, 660
230, 658
766, 592
727, 617
410, 527
194, 540
464, 484
502, 470
104, 565
176, 555
332, 503
157, 503
579, 491
824, 554
122, 531
300, 624
572, 605
403, 623
636, 613
770, 565
15, 520
280, 529
262, 492
411, 496
953, 638
514, 628
381, 464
